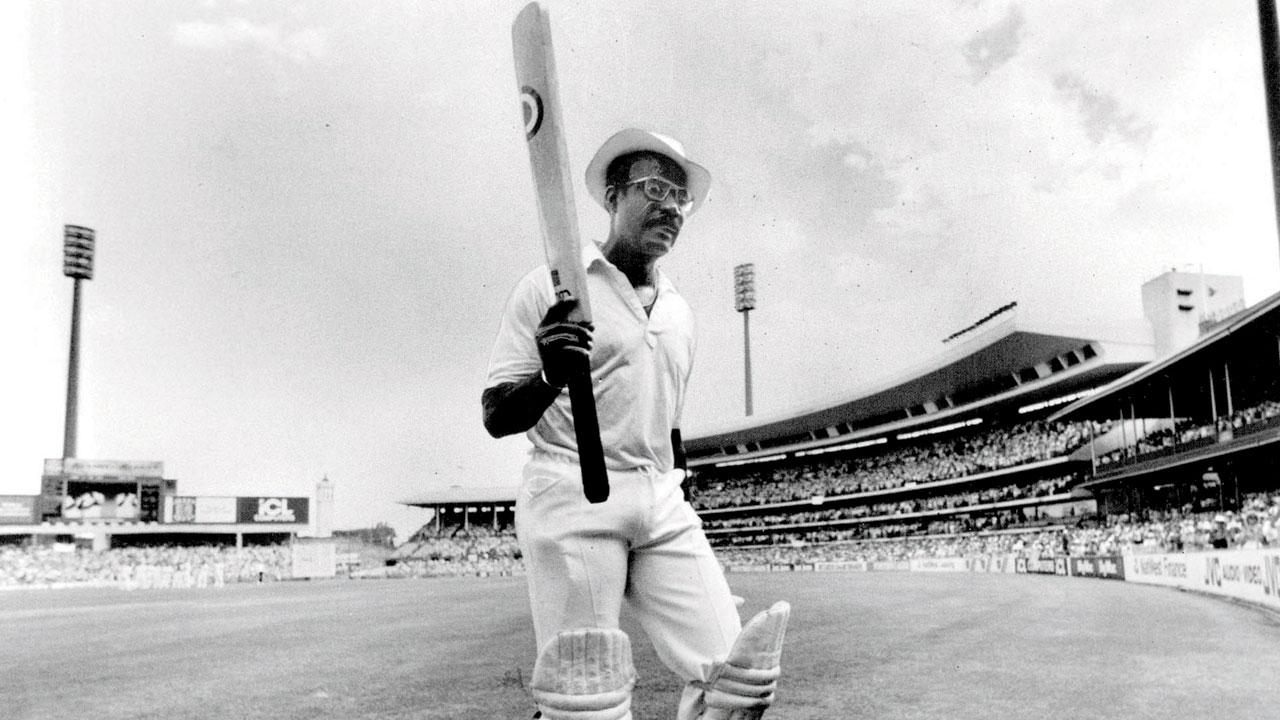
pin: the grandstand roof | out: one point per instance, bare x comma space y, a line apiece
1008, 362
460, 494
1240, 348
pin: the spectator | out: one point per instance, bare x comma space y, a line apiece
143, 567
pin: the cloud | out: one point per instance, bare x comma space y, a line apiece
1102, 114
835, 187
300, 46
996, 45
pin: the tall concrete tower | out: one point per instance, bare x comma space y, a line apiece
1182, 305
322, 518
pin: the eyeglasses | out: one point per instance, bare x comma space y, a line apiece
658, 188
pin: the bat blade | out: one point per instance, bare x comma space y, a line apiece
553, 187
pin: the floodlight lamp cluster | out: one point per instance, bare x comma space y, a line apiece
77, 252
744, 287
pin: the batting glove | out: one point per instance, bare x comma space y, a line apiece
563, 344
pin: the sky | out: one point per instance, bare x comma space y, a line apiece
309, 215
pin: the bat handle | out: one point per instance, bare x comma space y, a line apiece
586, 426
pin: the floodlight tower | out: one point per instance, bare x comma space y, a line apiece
744, 301
1271, 90
77, 264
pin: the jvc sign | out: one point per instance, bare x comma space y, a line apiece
1271, 575
272, 510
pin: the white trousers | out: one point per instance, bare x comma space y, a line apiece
644, 544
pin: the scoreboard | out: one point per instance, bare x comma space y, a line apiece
80, 489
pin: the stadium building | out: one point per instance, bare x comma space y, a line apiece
1203, 421
1019, 426
457, 507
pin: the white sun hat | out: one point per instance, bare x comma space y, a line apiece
632, 140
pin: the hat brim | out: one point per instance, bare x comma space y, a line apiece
636, 140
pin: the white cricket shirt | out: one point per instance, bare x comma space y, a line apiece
639, 365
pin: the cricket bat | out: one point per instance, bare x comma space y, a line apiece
549, 158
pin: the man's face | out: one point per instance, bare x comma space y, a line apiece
646, 225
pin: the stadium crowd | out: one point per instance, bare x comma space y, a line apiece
1186, 433
487, 552
142, 567
474, 551
1256, 525
1031, 543
931, 503
954, 457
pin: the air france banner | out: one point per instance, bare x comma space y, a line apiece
1252, 575
1184, 570
272, 510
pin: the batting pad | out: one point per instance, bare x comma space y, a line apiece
585, 674
743, 685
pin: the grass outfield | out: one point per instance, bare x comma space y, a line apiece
889, 646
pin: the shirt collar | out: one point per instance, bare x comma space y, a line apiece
591, 256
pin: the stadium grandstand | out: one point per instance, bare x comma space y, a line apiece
1200, 426
1046, 443
960, 445
471, 532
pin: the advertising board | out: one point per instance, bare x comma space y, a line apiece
121, 469
186, 509
272, 510
313, 559
215, 510
1177, 570
1252, 575
854, 565
17, 509
1046, 566
1110, 567
939, 565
